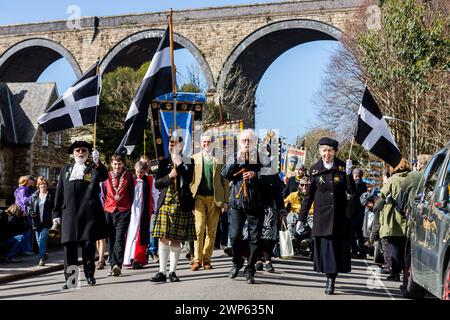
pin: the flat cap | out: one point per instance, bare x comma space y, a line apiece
325, 141
80, 144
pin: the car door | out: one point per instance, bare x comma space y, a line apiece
421, 236
438, 218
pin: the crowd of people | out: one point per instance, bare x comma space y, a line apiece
201, 203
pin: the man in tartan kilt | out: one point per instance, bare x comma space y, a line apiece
174, 220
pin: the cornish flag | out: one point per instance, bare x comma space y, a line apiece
77, 106
157, 81
372, 132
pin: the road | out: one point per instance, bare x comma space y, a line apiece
292, 280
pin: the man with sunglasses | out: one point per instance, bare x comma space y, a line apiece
78, 209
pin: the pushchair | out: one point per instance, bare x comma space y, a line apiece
301, 234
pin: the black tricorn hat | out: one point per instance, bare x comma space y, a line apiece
328, 142
79, 144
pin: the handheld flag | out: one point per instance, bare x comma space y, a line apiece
372, 132
157, 81
77, 106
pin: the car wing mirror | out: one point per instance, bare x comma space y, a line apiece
441, 198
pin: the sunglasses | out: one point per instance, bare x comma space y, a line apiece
303, 185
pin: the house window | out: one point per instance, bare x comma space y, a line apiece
43, 171
54, 176
58, 140
44, 139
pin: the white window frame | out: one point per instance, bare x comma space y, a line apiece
58, 139
43, 171
44, 139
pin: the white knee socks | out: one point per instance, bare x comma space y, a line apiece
163, 257
174, 255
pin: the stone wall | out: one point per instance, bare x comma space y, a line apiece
214, 31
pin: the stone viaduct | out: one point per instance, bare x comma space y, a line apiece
251, 36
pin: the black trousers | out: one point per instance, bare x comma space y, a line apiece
357, 238
222, 231
88, 254
397, 249
117, 223
255, 222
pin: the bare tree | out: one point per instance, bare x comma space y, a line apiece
238, 96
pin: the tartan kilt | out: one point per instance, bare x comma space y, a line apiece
174, 224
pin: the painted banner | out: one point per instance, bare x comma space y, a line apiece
292, 157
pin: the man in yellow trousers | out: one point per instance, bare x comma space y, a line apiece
211, 192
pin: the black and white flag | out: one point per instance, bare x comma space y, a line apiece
157, 81
372, 132
77, 106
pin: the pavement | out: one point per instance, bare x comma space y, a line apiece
27, 267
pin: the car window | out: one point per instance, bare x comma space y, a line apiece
428, 184
447, 179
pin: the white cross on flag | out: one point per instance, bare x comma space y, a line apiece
77, 106
372, 132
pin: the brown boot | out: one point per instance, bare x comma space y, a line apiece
195, 266
207, 265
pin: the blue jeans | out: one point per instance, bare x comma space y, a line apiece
27, 241
153, 241
12, 246
42, 238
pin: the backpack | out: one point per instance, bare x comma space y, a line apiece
401, 203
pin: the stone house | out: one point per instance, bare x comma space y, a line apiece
24, 148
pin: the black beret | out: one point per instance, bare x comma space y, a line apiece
80, 144
328, 142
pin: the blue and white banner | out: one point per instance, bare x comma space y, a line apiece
185, 124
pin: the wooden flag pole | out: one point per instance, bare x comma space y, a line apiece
353, 139
96, 109
174, 88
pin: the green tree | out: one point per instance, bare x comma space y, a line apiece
405, 63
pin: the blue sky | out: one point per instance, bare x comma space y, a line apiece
284, 95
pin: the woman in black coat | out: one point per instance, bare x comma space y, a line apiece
329, 179
79, 209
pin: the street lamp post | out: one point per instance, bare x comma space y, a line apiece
410, 123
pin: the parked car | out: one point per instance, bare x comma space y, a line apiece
429, 224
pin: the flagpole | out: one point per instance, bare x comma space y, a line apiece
96, 109
174, 88
353, 138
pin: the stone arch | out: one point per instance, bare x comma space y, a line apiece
142, 43
26, 60
258, 50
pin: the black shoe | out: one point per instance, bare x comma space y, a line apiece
385, 271
136, 265
259, 266
329, 288
91, 281
234, 272
65, 287
393, 277
173, 277
250, 278
159, 277
45, 257
269, 267
228, 251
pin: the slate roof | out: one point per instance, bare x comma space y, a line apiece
21, 103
